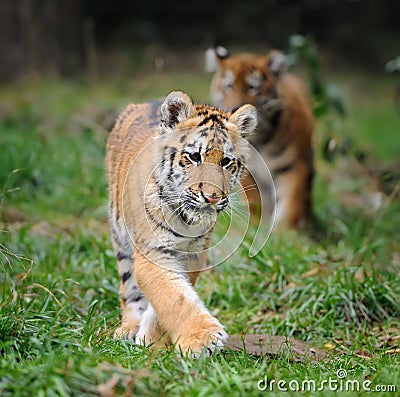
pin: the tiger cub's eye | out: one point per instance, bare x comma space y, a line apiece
195, 156
225, 161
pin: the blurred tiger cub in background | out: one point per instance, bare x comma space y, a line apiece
284, 136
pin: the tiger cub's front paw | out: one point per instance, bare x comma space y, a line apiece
131, 318
126, 332
151, 332
204, 333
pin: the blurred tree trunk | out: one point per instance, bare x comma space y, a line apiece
40, 37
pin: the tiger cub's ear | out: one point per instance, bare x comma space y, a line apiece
245, 119
176, 108
277, 62
212, 58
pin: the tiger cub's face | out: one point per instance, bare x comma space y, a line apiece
202, 156
245, 78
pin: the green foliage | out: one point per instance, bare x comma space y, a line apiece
328, 101
345, 130
326, 96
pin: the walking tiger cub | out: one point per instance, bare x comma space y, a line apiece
284, 136
171, 167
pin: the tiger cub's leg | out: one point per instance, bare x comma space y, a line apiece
151, 331
175, 308
133, 302
293, 195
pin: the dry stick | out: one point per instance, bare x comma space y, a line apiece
345, 348
49, 292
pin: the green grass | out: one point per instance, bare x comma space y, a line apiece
59, 301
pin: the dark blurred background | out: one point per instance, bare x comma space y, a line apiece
64, 38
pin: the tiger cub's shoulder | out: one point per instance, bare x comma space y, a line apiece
137, 118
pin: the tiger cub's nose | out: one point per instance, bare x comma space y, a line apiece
212, 199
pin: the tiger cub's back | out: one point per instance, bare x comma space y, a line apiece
134, 128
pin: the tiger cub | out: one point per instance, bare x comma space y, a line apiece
284, 136
171, 167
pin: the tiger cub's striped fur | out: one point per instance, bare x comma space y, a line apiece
284, 136
171, 167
